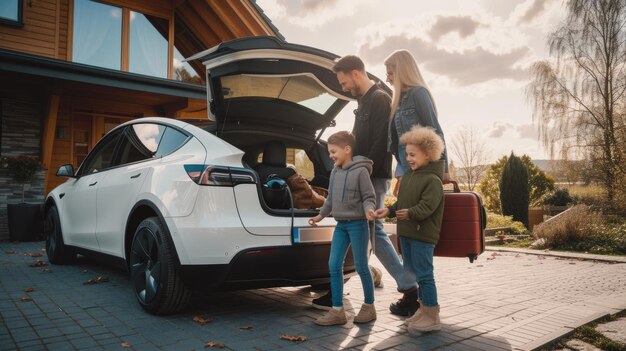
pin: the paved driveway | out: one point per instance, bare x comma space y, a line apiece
502, 301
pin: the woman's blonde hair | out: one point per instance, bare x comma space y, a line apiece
406, 74
426, 140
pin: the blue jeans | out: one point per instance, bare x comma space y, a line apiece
348, 233
418, 259
403, 166
383, 248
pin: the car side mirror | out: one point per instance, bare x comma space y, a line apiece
66, 171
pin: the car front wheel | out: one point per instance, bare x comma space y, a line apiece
57, 251
156, 279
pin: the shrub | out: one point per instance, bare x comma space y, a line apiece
495, 220
571, 226
540, 184
515, 190
560, 197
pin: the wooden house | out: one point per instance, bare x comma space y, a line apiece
71, 70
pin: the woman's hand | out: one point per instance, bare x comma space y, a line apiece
313, 221
396, 188
371, 215
402, 214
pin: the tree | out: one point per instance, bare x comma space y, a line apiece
472, 157
540, 184
515, 190
579, 97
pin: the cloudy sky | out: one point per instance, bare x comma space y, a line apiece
474, 54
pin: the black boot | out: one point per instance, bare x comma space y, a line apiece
407, 305
324, 302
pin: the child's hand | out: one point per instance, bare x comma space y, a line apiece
371, 215
314, 220
402, 214
383, 212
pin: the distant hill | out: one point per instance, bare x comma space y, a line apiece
544, 165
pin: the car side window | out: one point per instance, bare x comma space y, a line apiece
172, 139
140, 142
102, 157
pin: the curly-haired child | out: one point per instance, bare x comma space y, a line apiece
419, 210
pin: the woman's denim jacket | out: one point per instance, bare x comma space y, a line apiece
415, 108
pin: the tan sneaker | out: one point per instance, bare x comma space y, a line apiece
366, 314
333, 317
377, 276
428, 321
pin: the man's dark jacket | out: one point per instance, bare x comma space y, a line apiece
371, 125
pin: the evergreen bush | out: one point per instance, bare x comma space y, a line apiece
515, 190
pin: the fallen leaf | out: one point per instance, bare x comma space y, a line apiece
39, 264
11, 252
35, 254
293, 337
247, 327
219, 345
46, 270
572, 263
125, 344
26, 299
97, 280
29, 290
201, 320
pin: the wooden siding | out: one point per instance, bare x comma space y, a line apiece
39, 33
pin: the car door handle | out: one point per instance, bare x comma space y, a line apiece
94, 183
135, 176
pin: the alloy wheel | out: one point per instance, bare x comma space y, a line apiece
145, 265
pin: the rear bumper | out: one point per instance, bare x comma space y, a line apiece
264, 267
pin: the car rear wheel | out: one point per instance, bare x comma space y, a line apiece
155, 276
57, 251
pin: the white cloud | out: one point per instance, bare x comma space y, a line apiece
273, 9
466, 50
498, 129
527, 131
310, 14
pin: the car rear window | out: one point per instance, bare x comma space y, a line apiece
302, 89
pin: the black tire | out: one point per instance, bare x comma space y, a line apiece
155, 276
58, 252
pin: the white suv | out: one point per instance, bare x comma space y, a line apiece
185, 208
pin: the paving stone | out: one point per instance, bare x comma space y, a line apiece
512, 301
579, 345
615, 330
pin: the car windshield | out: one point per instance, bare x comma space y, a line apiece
302, 89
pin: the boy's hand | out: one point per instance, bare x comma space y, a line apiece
402, 214
314, 220
371, 215
383, 212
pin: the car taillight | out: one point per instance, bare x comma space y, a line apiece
219, 175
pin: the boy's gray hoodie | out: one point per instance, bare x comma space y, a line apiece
350, 191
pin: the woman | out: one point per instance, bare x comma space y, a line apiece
411, 105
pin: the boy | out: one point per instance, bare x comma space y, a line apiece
352, 201
419, 210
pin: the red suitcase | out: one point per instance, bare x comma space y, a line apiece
464, 220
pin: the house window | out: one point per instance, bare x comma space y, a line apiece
148, 45
183, 70
11, 12
97, 34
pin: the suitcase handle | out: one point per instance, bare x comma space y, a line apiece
455, 185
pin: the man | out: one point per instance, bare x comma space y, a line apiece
370, 129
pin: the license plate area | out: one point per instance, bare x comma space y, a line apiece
308, 235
